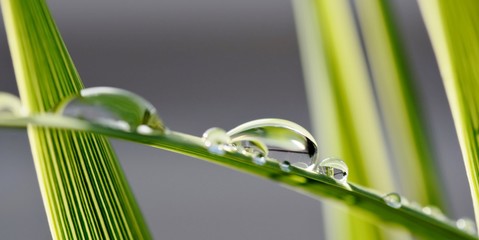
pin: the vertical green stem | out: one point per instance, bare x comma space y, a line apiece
398, 102
454, 32
342, 105
84, 190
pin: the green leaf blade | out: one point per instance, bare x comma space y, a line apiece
452, 27
398, 101
84, 190
364, 201
342, 105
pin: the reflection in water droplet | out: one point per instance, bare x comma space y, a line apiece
278, 139
9, 104
251, 147
334, 168
467, 225
215, 139
393, 200
285, 166
112, 107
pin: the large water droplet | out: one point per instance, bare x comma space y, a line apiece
215, 139
112, 107
393, 200
467, 225
281, 139
334, 168
9, 104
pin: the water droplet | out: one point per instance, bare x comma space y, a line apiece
334, 168
251, 147
285, 166
280, 139
467, 225
143, 129
434, 212
9, 104
259, 159
215, 139
112, 107
393, 200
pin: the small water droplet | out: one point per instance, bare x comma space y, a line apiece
143, 129
467, 225
393, 200
10, 105
259, 159
434, 212
285, 166
215, 139
112, 107
282, 139
334, 168
252, 148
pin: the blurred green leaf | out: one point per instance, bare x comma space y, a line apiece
454, 33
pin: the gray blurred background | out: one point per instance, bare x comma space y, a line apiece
205, 63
